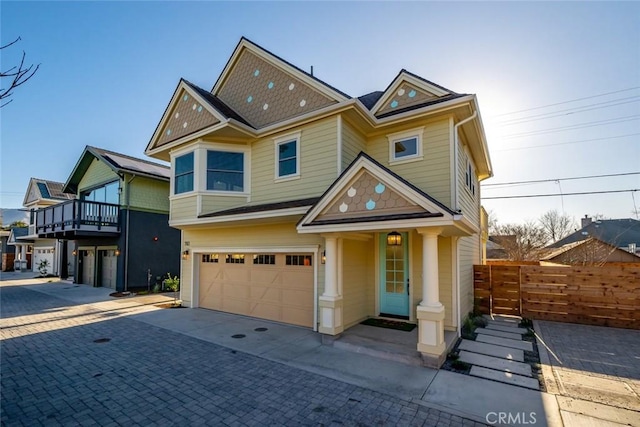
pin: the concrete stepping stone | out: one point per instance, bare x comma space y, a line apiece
501, 323
505, 377
510, 329
492, 350
496, 363
496, 333
505, 342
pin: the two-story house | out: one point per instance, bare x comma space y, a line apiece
42, 193
301, 204
117, 223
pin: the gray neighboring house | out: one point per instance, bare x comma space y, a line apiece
620, 233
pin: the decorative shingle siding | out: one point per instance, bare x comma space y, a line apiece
187, 116
407, 95
353, 142
318, 151
264, 94
149, 195
97, 174
432, 174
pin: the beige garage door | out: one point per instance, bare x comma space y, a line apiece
269, 286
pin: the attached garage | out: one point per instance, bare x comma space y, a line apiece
277, 287
42, 254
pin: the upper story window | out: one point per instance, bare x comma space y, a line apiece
470, 177
183, 180
225, 171
405, 146
107, 193
288, 156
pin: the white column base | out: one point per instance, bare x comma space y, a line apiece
431, 333
330, 315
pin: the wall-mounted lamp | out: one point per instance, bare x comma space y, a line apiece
323, 259
155, 239
394, 239
185, 254
117, 252
74, 252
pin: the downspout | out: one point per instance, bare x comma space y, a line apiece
455, 154
126, 237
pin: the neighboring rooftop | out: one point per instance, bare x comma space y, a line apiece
616, 232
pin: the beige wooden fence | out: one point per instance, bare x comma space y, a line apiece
607, 296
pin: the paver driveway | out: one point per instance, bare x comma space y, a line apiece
54, 373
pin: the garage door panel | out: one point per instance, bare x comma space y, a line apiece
277, 292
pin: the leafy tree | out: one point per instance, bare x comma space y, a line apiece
20, 223
557, 225
17, 75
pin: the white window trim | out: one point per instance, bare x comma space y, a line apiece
472, 178
230, 148
174, 156
283, 140
399, 136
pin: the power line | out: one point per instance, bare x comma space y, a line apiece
560, 194
591, 107
561, 179
565, 143
567, 102
572, 127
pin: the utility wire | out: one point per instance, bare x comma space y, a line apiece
572, 127
567, 102
560, 113
565, 143
560, 194
561, 179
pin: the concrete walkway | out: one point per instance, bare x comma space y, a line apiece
594, 372
462, 396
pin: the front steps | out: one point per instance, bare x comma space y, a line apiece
498, 353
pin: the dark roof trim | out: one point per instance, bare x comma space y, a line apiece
370, 99
263, 208
426, 81
393, 217
424, 104
217, 104
387, 170
280, 59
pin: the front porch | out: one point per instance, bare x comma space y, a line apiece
386, 344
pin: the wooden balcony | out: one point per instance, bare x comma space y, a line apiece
77, 219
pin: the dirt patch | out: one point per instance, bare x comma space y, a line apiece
169, 305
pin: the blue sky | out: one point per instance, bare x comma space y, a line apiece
108, 71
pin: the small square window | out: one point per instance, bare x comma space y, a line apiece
304, 260
264, 259
234, 259
405, 148
213, 258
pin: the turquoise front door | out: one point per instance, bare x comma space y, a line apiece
394, 277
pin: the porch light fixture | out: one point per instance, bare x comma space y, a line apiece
323, 259
117, 252
394, 239
74, 252
185, 254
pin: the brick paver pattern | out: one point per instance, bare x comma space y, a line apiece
53, 372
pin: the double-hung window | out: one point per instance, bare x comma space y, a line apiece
287, 156
405, 146
183, 179
225, 171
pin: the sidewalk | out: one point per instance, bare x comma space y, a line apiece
477, 399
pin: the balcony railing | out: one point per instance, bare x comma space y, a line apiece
77, 217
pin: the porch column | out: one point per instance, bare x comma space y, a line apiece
23, 257
430, 311
330, 302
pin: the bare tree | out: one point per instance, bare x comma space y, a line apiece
557, 225
522, 242
17, 75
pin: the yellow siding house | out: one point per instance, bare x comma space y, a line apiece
301, 204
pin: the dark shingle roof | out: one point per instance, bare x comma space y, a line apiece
52, 189
217, 103
125, 163
616, 232
370, 99
262, 208
424, 104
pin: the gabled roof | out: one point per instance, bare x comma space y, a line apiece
44, 190
16, 233
119, 163
408, 92
368, 193
615, 232
556, 252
